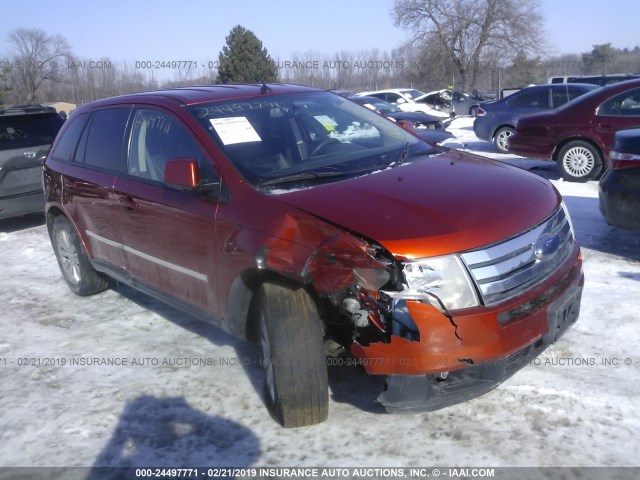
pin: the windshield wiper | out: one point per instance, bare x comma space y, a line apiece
303, 176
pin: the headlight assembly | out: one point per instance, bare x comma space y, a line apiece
445, 277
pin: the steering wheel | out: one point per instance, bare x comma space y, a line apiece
323, 144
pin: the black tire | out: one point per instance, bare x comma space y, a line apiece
500, 138
473, 111
74, 264
296, 384
579, 161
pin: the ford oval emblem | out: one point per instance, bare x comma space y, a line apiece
29, 154
546, 245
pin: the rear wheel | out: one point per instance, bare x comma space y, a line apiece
579, 161
296, 383
500, 138
473, 111
74, 264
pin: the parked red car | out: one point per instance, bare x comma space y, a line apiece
296, 217
579, 135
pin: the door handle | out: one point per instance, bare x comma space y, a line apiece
127, 202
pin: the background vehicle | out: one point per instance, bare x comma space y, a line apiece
26, 134
441, 100
465, 104
496, 120
426, 126
273, 211
579, 135
406, 99
600, 80
619, 190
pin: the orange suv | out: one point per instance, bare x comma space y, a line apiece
295, 217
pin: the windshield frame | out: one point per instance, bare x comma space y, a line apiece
327, 121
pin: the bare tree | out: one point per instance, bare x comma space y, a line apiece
467, 29
37, 58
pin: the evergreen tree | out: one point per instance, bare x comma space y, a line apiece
244, 60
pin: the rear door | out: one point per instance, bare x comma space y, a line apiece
168, 235
617, 113
88, 177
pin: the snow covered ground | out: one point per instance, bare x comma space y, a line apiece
159, 407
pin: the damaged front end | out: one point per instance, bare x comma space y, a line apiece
448, 328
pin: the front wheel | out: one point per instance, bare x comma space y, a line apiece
296, 383
74, 264
579, 161
500, 138
473, 111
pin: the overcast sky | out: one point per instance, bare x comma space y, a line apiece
195, 29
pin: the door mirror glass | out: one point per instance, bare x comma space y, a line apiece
181, 173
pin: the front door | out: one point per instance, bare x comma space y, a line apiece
168, 235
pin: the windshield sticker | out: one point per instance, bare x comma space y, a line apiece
327, 122
235, 130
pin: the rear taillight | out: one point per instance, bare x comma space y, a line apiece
481, 112
619, 160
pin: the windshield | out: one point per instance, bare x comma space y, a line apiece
412, 94
306, 137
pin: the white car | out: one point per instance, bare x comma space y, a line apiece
408, 100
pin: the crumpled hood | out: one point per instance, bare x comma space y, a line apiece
448, 203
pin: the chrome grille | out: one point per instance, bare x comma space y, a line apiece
511, 267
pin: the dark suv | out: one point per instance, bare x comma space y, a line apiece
26, 134
293, 216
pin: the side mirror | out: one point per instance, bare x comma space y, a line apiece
181, 173
400, 101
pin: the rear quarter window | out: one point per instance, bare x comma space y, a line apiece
101, 144
66, 147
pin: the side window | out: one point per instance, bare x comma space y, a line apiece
625, 104
156, 138
393, 98
538, 98
560, 96
101, 145
66, 147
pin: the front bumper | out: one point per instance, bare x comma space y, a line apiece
422, 393
465, 356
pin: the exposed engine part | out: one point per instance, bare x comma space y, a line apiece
359, 316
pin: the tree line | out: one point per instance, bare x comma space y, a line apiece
465, 44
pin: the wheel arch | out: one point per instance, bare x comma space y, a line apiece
567, 140
241, 299
497, 129
54, 212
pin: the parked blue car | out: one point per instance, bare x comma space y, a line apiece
620, 186
496, 120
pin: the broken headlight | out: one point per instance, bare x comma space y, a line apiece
445, 277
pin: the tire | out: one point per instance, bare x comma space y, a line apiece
473, 111
500, 138
74, 264
579, 161
296, 383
